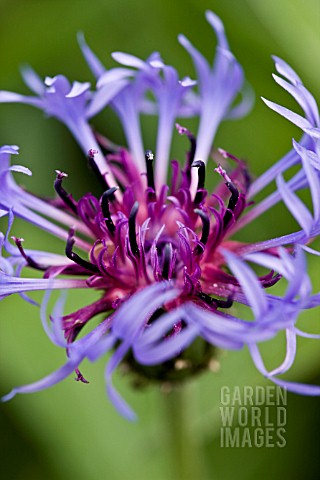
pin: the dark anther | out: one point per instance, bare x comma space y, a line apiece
30, 262
167, 255
66, 197
201, 173
232, 202
201, 180
75, 257
132, 229
214, 301
192, 151
95, 169
150, 176
105, 199
205, 230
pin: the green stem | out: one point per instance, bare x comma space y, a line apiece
184, 451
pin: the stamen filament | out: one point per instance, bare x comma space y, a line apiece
192, 151
32, 263
205, 230
105, 199
66, 197
150, 174
234, 195
201, 180
96, 170
75, 257
132, 230
167, 256
232, 202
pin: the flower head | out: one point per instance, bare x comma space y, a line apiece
160, 252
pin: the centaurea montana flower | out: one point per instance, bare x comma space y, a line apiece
160, 256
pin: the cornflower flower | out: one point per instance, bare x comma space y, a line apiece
159, 253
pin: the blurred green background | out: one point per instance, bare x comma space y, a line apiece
71, 430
